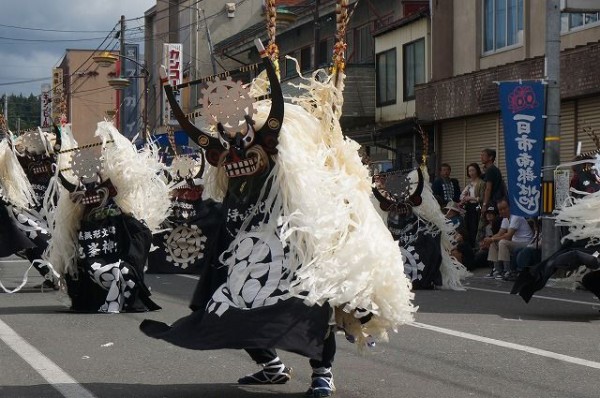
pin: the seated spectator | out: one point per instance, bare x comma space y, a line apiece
514, 232
527, 256
463, 251
491, 227
454, 213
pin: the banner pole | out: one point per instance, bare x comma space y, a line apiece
550, 234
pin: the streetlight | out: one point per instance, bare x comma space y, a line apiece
107, 59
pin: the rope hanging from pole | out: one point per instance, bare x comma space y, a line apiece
339, 48
272, 49
171, 137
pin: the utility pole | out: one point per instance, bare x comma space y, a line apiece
551, 235
122, 64
317, 34
6, 111
145, 114
210, 44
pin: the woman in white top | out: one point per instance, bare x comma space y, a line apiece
470, 199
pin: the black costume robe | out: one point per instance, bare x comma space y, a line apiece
242, 298
421, 250
112, 249
569, 257
188, 239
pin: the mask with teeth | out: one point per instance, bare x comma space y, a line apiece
35, 155
240, 148
86, 185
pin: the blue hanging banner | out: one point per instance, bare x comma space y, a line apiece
131, 100
522, 106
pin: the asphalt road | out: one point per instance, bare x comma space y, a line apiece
480, 342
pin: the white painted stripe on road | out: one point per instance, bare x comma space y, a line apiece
190, 276
14, 261
535, 296
505, 344
51, 372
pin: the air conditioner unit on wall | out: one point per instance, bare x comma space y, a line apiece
230, 8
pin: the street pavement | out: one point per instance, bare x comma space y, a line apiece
481, 342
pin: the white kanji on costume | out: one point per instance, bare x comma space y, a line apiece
258, 274
412, 264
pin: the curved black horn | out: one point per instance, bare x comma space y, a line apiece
402, 209
202, 166
269, 132
384, 202
415, 198
58, 140
69, 186
211, 145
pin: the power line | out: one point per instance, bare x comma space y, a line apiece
48, 40
53, 30
26, 81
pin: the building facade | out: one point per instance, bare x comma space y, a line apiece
216, 38
89, 97
402, 61
476, 43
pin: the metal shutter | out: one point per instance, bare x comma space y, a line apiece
588, 115
481, 133
501, 152
568, 146
452, 148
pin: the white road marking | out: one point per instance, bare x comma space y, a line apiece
51, 372
513, 346
196, 277
534, 296
500, 343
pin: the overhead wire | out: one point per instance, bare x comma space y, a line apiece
131, 38
53, 30
48, 40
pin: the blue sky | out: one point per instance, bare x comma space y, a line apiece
34, 35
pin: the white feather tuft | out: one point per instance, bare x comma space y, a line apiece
14, 183
136, 176
340, 248
453, 272
582, 217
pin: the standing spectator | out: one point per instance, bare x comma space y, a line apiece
494, 184
514, 232
445, 189
471, 200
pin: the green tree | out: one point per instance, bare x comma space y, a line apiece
23, 112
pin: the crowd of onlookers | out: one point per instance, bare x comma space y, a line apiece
487, 234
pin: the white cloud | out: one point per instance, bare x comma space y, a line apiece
25, 60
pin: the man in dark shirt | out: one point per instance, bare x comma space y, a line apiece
446, 189
494, 184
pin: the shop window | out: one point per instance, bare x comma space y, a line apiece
364, 45
305, 59
325, 52
578, 20
290, 65
386, 77
502, 24
413, 67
